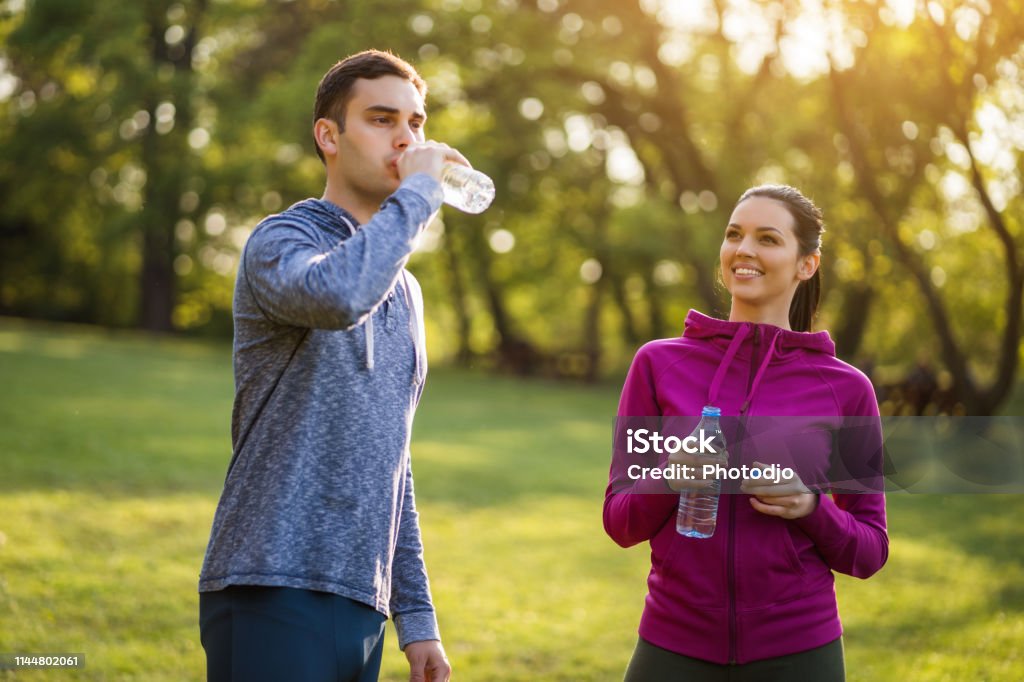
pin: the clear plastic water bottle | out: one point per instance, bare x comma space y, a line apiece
698, 509
466, 189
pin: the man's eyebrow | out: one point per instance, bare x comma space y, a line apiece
384, 109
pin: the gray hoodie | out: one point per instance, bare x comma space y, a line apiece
329, 367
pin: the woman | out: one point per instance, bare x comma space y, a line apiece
756, 600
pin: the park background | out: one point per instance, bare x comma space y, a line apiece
141, 142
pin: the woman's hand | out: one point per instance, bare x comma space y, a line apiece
787, 499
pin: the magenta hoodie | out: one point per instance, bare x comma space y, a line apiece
761, 586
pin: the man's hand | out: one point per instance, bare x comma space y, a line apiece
427, 157
788, 499
427, 661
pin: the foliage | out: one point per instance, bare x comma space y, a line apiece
618, 134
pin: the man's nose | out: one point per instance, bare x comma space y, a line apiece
404, 137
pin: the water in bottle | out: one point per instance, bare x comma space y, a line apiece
698, 509
466, 189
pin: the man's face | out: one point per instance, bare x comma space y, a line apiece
384, 116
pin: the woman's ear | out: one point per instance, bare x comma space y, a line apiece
325, 132
808, 266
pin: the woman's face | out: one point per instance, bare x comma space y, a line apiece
761, 265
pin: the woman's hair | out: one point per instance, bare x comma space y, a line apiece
809, 225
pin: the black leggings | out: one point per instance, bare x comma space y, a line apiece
654, 664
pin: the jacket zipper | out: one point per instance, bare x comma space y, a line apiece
731, 554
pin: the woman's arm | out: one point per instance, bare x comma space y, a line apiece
849, 528
849, 532
634, 511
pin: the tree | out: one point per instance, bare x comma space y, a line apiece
116, 81
940, 109
618, 135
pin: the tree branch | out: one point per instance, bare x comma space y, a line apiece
952, 355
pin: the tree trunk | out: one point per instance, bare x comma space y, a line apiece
852, 321
658, 327
165, 158
458, 296
618, 291
592, 341
515, 353
592, 330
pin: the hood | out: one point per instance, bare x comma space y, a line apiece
700, 326
328, 214
781, 344
332, 214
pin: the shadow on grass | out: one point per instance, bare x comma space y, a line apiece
978, 525
121, 414
127, 415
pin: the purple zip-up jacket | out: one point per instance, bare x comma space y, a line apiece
761, 586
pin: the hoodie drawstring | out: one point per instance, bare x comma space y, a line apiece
369, 341
760, 373
730, 353
352, 228
415, 330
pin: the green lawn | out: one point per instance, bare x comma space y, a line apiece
113, 448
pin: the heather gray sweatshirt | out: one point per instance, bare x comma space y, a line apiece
329, 366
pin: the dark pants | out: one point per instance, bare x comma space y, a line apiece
275, 634
651, 663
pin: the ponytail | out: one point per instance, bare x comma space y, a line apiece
805, 303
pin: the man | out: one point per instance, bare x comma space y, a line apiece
316, 539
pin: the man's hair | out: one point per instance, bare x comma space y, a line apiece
335, 89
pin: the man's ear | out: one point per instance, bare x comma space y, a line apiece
325, 132
808, 266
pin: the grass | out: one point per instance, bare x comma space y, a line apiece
113, 449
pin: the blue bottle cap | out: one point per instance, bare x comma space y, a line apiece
710, 411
